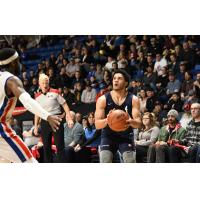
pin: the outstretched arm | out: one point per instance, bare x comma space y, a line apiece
15, 86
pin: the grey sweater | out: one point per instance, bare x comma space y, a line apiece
75, 134
148, 137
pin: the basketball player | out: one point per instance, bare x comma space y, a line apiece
118, 98
12, 148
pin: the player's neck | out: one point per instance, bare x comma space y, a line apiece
119, 93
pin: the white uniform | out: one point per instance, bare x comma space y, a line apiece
12, 148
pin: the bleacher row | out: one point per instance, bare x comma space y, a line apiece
44, 53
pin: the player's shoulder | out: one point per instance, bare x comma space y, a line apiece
135, 98
55, 91
5, 74
102, 100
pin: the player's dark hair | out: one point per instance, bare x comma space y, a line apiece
124, 73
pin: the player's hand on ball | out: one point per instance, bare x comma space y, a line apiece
54, 122
110, 112
128, 121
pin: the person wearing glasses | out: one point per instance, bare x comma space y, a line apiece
192, 137
147, 136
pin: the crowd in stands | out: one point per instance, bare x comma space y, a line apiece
165, 76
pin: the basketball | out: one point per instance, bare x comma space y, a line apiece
117, 120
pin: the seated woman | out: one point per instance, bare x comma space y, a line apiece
147, 136
90, 130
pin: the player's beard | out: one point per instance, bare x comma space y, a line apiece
15, 68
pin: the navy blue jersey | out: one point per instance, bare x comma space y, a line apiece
126, 106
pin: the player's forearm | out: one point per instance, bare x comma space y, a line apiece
101, 123
135, 123
67, 111
36, 121
33, 106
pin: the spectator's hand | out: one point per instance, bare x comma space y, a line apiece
26, 134
157, 143
54, 122
175, 141
137, 142
39, 144
77, 148
163, 143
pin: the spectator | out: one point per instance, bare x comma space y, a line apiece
90, 129
188, 55
93, 82
151, 99
187, 85
134, 89
192, 136
173, 85
69, 97
99, 73
107, 76
75, 136
33, 89
175, 102
78, 117
141, 63
109, 65
159, 64
149, 77
147, 136
160, 152
52, 61
52, 79
197, 86
88, 95
78, 92
59, 61
91, 72
62, 78
174, 65
71, 68
160, 113
180, 73
143, 100
78, 78
186, 117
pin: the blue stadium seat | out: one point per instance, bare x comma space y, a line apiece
197, 67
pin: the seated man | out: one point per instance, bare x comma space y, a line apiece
192, 136
74, 136
164, 148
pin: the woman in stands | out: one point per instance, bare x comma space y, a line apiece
147, 136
